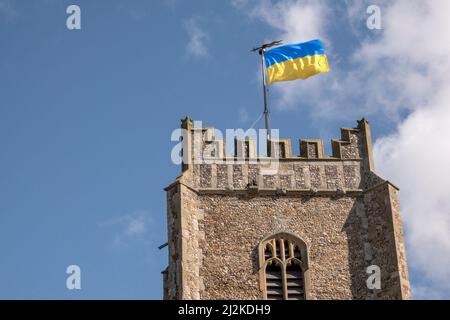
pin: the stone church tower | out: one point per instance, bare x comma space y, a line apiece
283, 226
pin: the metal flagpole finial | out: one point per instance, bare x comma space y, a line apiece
261, 50
267, 45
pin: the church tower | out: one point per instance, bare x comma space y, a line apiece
283, 226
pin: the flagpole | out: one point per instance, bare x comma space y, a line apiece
261, 51
266, 100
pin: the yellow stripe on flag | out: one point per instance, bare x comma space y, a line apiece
300, 68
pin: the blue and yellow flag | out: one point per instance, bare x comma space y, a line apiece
296, 61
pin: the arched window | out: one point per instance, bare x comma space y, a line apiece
283, 267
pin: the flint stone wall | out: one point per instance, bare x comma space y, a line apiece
219, 211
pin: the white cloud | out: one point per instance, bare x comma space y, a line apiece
198, 39
428, 293
296, 20
130, 227
417, 155
417, 158
405, 67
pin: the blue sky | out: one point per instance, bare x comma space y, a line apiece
86, 117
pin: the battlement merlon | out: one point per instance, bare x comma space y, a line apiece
200, 144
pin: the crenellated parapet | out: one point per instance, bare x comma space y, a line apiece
354, 144
262, 164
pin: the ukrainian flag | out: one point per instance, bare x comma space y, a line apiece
296, 61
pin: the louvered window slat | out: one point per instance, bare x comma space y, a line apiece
294, 278
293, 274
274, 282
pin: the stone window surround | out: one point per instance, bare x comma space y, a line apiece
303, 262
